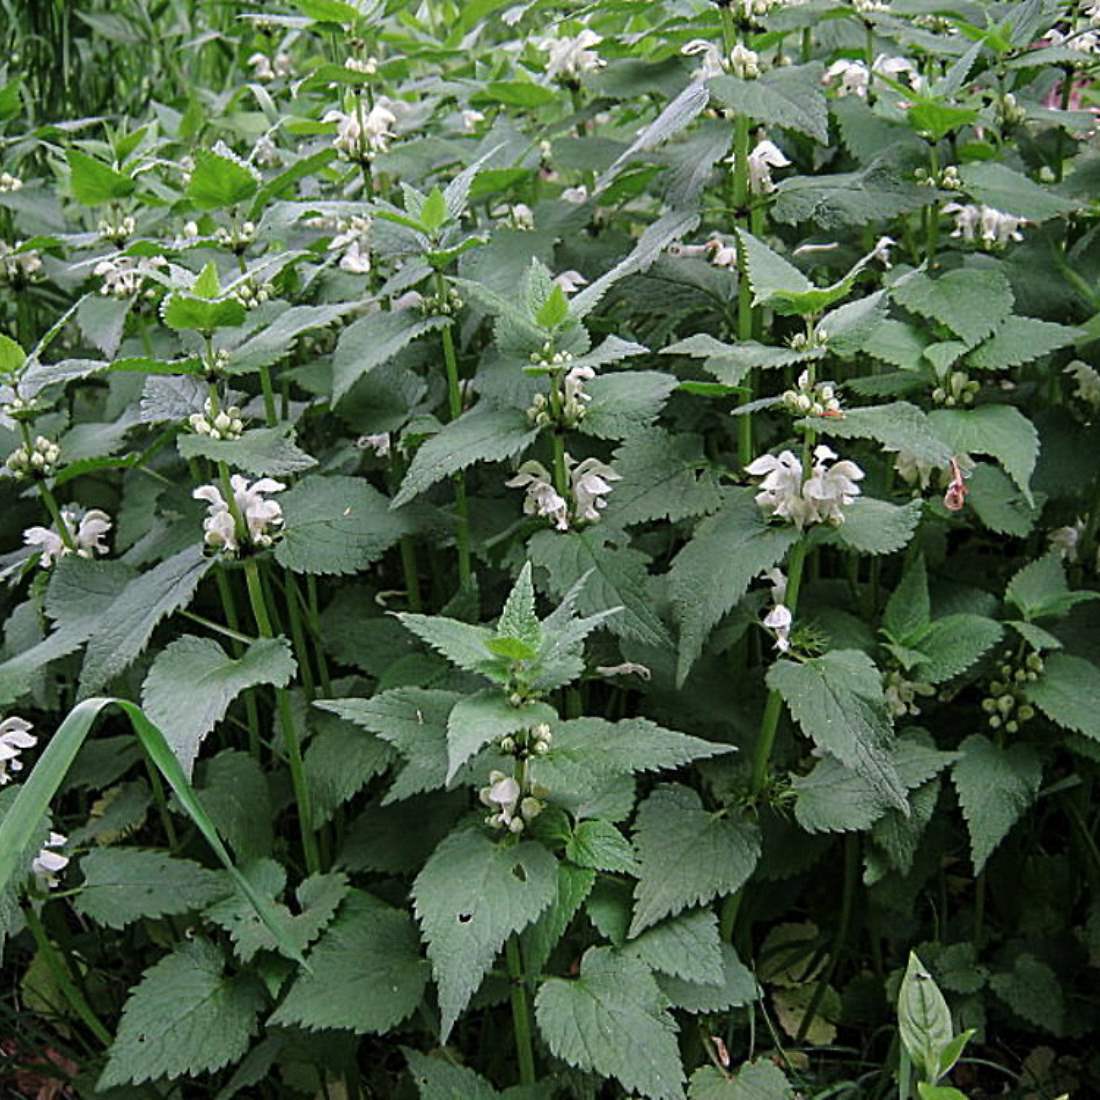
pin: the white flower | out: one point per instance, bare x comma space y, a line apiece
1085, 42
377, 125
722, 254
411, 299
781, 490
367, 67
9, 183
47, 864
1064, 540
266, 152
763, 158
881, 251
15, 736
778, 620
262, 518
832, 488
569, 57
123, 275
590, 483
541, 499
16, 266
349, 134
897, 68
778, 580
574, 399
914, 470
711, 57
1087, 379
994, 227
353, 241
744, 63
854, 77
86, 530
226, 423
262, 68
470, 120
379, 443
579, 194
571, 281
522, 217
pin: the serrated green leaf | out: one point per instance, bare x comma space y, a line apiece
1040, 590
187, 312
998, 430
519, 620
622, 404
122, 885
1020, 340
262, 452
999, 504
687, 856
908, 609
185, 1017
339, 761
837, 700
599, 845
1034, 992
877, 527
953, 644
374, 340
836, 799
1068, 693
125, 627
540, 938
972, 302
336, 524
94, 183
1006, 190
685, 947
898, 426
486, 716
437, 1079
367, 975
612, 1021
787, 96
219, 181
760, 1080
279, 339
484, 434
470, 897
996, 787
193, 680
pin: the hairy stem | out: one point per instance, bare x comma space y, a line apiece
521, 1013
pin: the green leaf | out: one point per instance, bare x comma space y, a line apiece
484, 434
187, 312
934, 119
464, 644
738, 987
878, 527
122, 885
554, 310
437, 1079
185, 1017
996, 787
339, 761
125, 627
898, 426
470, 897
837, 700
1034, 992
999, 504
235, 793
1068, 693
94, 183
612, 1021
433, 214
788, 96
599, 845
687, 855
761, 1080
972, 302
924, 1020
618, 579
279, 339
336, 524
685, 947
713, 571
519, 620
12, 355
374, 340
1006, 190
953, 644
486, 716
220, 180
263, 452
367, 975
1039, 590
835, 799
839, 201
998, 430
193, 680
515, 93
908, 609
1020, 340
328, 11
663, 477
540, 938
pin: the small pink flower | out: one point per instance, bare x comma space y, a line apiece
954, 500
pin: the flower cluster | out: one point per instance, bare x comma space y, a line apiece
49, 862
15, 736
570, 57
9, 183
589, 487
818, 399
86, 531
37, 459
572, 404
511, 808
991, 228
947, 180
236, 238
352, 241
779, 618
742, 62
117, 232
359, 137
1006, 704
958, 388
252, 295
123, 275
379, 443
267, 68
1088, 382
18, 265
261, 518
765, 156
819, 498
902, 694
226, 423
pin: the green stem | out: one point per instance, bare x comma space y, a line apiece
270, 414
229, 610
50, 501
298, 635
257, 598
314, 618
454, 391
740, 190
521, 1014
61, 975
905, 1075
933, 211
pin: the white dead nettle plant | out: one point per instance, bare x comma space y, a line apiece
86, 531
15, 736
262, 518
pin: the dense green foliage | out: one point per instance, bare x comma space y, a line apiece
549, 550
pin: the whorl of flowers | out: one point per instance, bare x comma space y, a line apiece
570, 57
261, 518
989, 227
589, 487
819, 498
86, 531
15, 736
